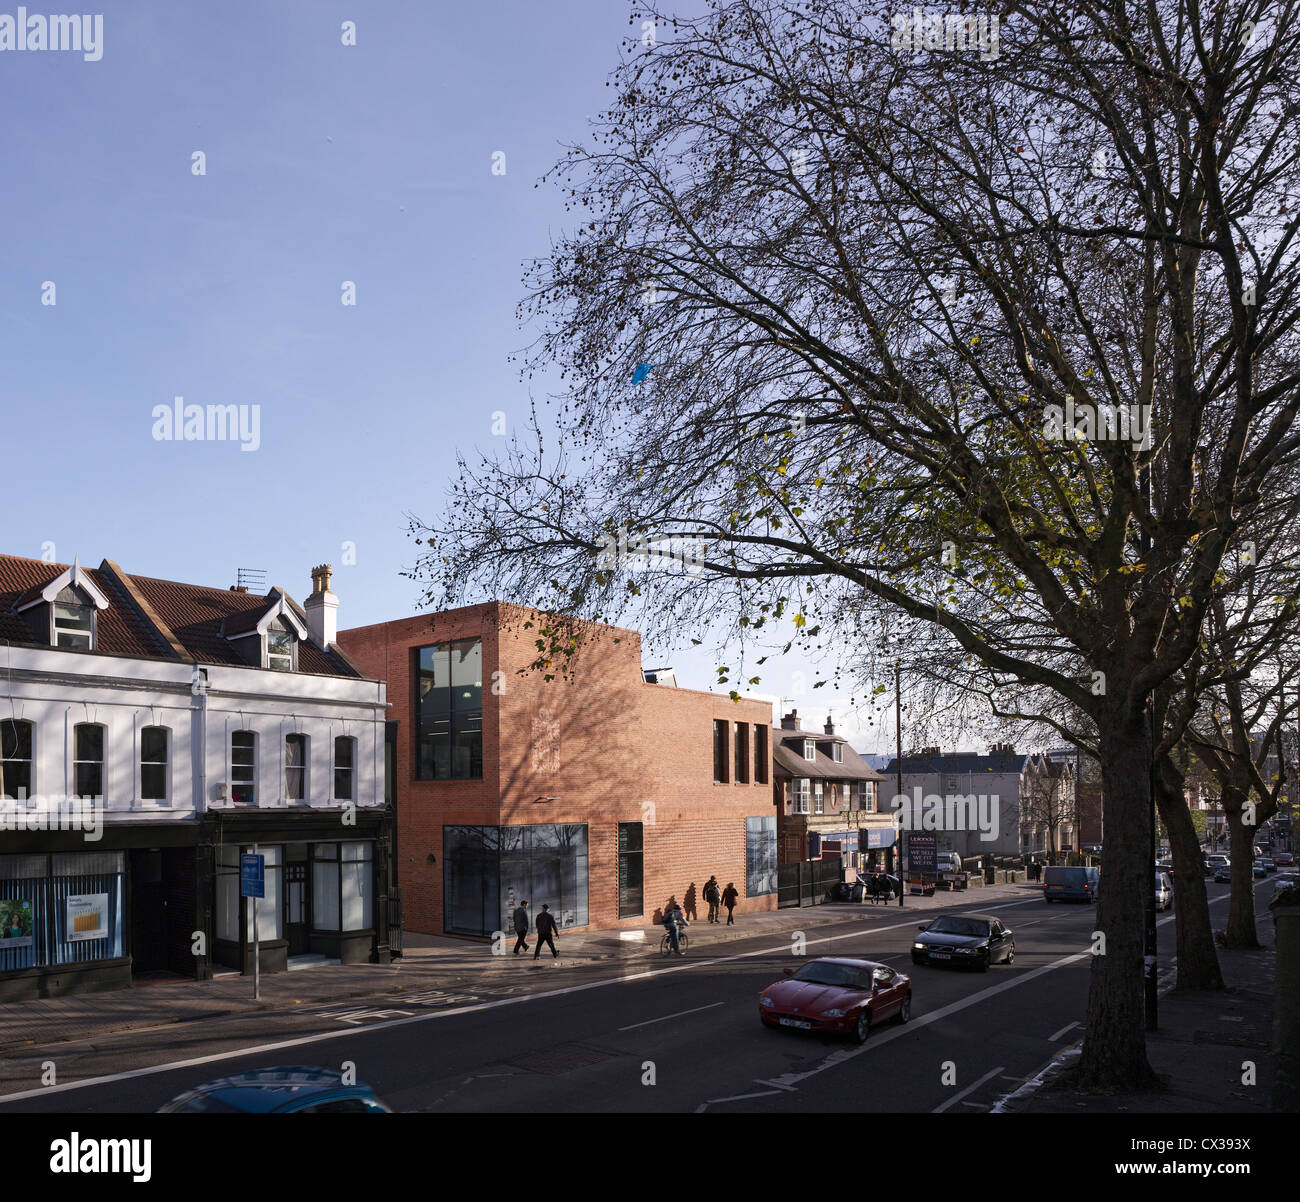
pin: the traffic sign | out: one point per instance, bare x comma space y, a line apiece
252, 875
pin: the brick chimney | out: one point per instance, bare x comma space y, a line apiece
322, 607
790, 721
830, 726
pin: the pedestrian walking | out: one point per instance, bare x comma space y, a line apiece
729, 897
521, 927
545, 932
713, 896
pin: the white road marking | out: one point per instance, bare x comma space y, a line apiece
305, 1040
666, 1017
740, 1097
957, 1097
1062, 1031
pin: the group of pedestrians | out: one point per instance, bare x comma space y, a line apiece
674, 918
717, 897
546, 929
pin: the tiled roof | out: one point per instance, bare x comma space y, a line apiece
787, 751
962, 761
192, 614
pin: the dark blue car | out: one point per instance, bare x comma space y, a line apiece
295, 1089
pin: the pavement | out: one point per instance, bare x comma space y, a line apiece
428, 963
1202, 1052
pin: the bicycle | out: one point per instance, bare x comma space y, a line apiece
666, 944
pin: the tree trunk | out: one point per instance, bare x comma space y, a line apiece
1114, 1057
1241, 899
1198, 961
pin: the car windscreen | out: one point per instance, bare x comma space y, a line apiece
958, 926
843, 975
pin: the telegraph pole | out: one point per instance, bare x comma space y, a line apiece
898, 761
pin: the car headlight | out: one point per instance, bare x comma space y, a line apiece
920, 947
766, 1001
836, 1013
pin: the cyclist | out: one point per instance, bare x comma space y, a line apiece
675, 922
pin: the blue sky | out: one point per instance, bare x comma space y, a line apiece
324, 163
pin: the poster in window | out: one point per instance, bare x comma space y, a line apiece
87, 916
15, 923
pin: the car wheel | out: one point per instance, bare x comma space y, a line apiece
863, 1026
1011, 955
905, 1012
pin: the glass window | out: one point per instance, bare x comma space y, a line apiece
15, 759
344, 755
760, 856
243, 767
325, 887
810, 749
471, 872
449, 711
720, 751
74, 620
295, 767
800, 794
631, 878
819, 803
153, 763
227, 915
837, 752
279, 646
742, 752
760, 754
88, 760
268, 906
355, 886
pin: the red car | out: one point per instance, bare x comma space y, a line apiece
1283, 859
837, 996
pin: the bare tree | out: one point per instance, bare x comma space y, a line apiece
998, 339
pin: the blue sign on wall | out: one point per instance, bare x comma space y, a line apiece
252, 875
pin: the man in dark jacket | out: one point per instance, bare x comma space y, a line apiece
521, 927
545, 932
712, 895
729, 896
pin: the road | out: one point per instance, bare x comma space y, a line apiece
643, 1036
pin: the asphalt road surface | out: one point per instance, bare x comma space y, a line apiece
649, 1035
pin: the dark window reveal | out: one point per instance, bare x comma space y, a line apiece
15, 759
449, 711
631, 868
88, 760
720, 751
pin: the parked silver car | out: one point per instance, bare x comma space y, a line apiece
1164, 892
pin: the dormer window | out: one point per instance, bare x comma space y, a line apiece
74, 620
810, 749
837, 752
281, 647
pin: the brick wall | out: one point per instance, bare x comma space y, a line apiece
607, 747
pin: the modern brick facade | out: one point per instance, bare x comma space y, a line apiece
593, 745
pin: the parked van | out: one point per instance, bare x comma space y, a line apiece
1063, 883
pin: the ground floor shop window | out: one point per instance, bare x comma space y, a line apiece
760, 856
631, 869
60, 909
488, 871
268, 907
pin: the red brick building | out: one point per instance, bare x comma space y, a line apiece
594, 791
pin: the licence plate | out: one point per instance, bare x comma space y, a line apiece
941, 955
796, 1022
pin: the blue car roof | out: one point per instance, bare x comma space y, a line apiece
266, 1089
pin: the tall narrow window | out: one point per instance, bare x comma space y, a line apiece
742, 752
74, 620
720, 751
837, 752
800, 792
760, 754
344, 756
810, 749
15, 759
88, 760
819, 803
449, 711
153, 763
243, 767
631, 878
295, 767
